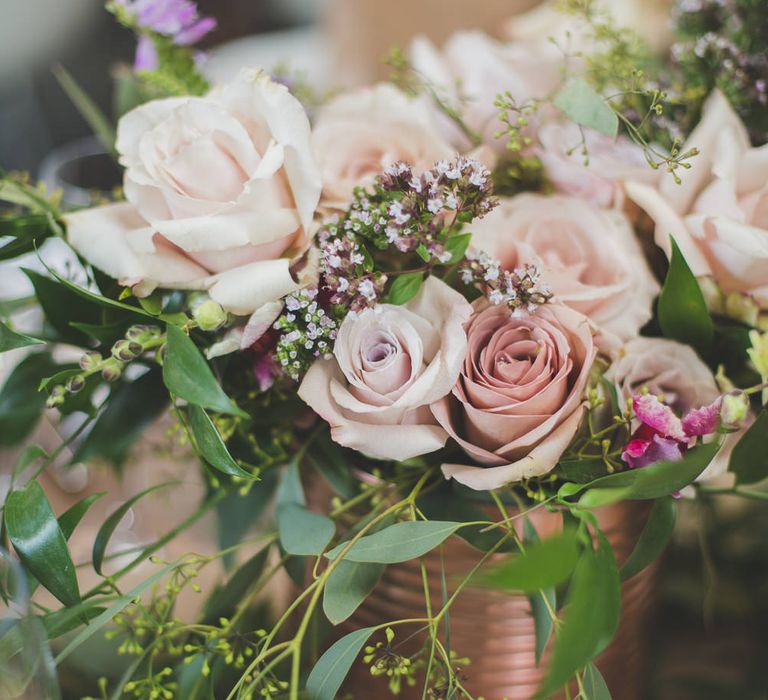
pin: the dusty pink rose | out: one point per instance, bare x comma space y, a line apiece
519, 399
390, 363
221, 191
601, 179
359, 134
588, 256
719, 215
472, 69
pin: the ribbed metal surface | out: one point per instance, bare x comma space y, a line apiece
496, 630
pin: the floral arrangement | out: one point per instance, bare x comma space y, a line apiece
520, 276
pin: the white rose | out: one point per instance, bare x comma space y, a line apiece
390, 363
589, 257
358, 134
220, 190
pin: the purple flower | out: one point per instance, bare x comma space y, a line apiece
146, 54
178, 19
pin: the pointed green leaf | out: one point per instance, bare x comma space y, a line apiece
683, 313
749, 459
594, 684
399, 542
349, 584
654, 538
457, 246
226, 599
11, 340
302, 531
580, 103
71, 518
405, 287
37, 538
188, 376
211, 445
543, 602
332, 668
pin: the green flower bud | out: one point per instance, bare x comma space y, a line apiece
735, 408
742, 307
126, 350
758, 353
75, 384
90, 361
210, 316
112, 372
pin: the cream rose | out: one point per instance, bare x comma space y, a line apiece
719, 214
472, 69
359, 134
220, 190
601, 179
390, 363
588, 256
519, 399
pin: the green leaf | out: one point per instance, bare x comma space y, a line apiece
749, 459
591, 616
211, 445
188, 376
405, 287
71, 518
105, 531
37, 538
542, 602
10, 340
117, 607
654, 538
582, 471
544, 564
580, 103
594, 685
399, 542
302, 531
290, 489
89, 110
131, 408
225, 600
67, 619
332, 668
347, 587
457, 246
648, 483
683, 313
21, 405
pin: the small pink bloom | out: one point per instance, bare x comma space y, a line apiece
658, 416
702, 421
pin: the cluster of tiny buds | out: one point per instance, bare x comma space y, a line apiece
521, 289
307, 332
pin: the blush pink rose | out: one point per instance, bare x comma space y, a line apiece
359, 134
390, 363
601, 179
518, 402
221, 191
719, 214
588, 256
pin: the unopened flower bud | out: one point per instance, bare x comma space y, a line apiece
126, 350
75, 384
735, 408
56, 397
758, 353
137, 332
742, 307
210, 316
111, 372
90, 361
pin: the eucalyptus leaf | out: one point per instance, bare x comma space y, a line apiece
683, 313
302, 531
40, 543
348, 585
399, 542
543, 602
580, 103
226, 599
749, 458
188, 376
405, 287
11, 340
654, 538
211, 445
594, 684
332, 668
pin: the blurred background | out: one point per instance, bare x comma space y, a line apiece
710, 633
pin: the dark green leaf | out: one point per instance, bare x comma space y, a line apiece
332, 668
188, 376
328, 459
302, 531
683, 313
225, 600
405, 287
347, 587
67, 619
457, 246
591, 616
20, 402
131, 408
749, 459
29, 226
582, 471
71, 518
105, 531
580, 103
399, 542
654, 538
211, 446
594, 685
542, 602
290, 489
544, 564
10, 340
37, 538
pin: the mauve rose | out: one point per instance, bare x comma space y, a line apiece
519, 399
719, 214
390, 363
359, 134
601, 179
588, 256
221, 195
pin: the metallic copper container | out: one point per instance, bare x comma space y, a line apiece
495, 630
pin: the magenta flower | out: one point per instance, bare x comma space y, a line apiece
662, 436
